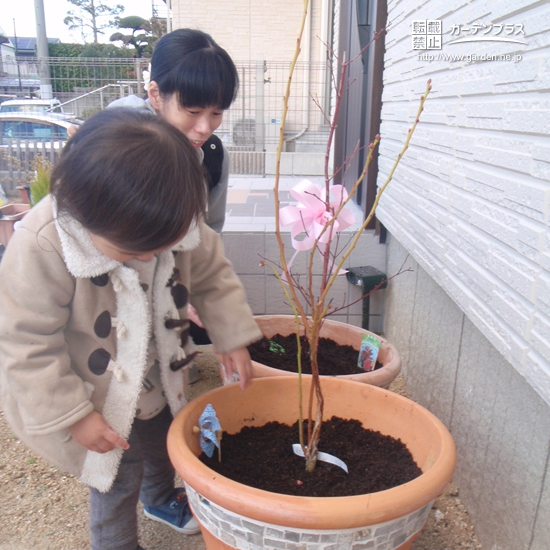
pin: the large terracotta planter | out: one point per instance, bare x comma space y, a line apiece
233, 515
341, 333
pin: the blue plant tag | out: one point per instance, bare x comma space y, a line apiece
370, 346
209, 425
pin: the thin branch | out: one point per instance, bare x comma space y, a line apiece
278, 164
382, 188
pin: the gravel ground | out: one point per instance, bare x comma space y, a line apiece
42, 509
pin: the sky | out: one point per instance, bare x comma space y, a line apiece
55, 11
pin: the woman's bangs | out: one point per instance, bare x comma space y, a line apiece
207, 82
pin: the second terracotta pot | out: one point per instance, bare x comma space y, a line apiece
341, 333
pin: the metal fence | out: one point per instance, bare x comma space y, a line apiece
252, 124
18, 160
84, 85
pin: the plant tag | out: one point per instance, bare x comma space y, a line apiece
209, 430
324, 457
370, 346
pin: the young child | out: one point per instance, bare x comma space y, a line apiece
192, 82
94, 288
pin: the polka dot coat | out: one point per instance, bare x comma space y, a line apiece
75, 327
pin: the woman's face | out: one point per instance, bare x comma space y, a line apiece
197, 123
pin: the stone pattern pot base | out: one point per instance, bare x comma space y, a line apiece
235, 531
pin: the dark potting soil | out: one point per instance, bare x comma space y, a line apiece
334, 359
262, 457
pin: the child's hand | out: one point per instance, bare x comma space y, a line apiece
95, 434
194, 316
239, 360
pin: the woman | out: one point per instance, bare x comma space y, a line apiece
192, 82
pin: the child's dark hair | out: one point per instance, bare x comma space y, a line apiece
132, 178
189, 63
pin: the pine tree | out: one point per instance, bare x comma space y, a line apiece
89, 17
145, 33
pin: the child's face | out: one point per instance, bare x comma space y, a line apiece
115, 252
197, 123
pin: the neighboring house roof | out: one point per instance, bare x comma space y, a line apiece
3, 36
7, 82
27, 45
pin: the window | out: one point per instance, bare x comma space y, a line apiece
31, 130
30, 107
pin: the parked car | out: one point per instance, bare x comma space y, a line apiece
33, 126
31, 106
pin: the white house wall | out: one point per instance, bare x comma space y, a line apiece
468, 213
471, 199
252, 30
257, 31
500, 425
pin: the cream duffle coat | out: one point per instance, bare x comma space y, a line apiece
75, 328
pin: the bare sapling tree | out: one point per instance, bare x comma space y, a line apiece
304, 295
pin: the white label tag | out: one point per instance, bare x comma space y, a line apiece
325, 457
229, 379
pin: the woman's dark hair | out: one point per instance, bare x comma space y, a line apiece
189, 63
132, 178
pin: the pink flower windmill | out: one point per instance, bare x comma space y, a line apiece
312, 215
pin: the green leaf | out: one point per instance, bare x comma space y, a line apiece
275, 348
